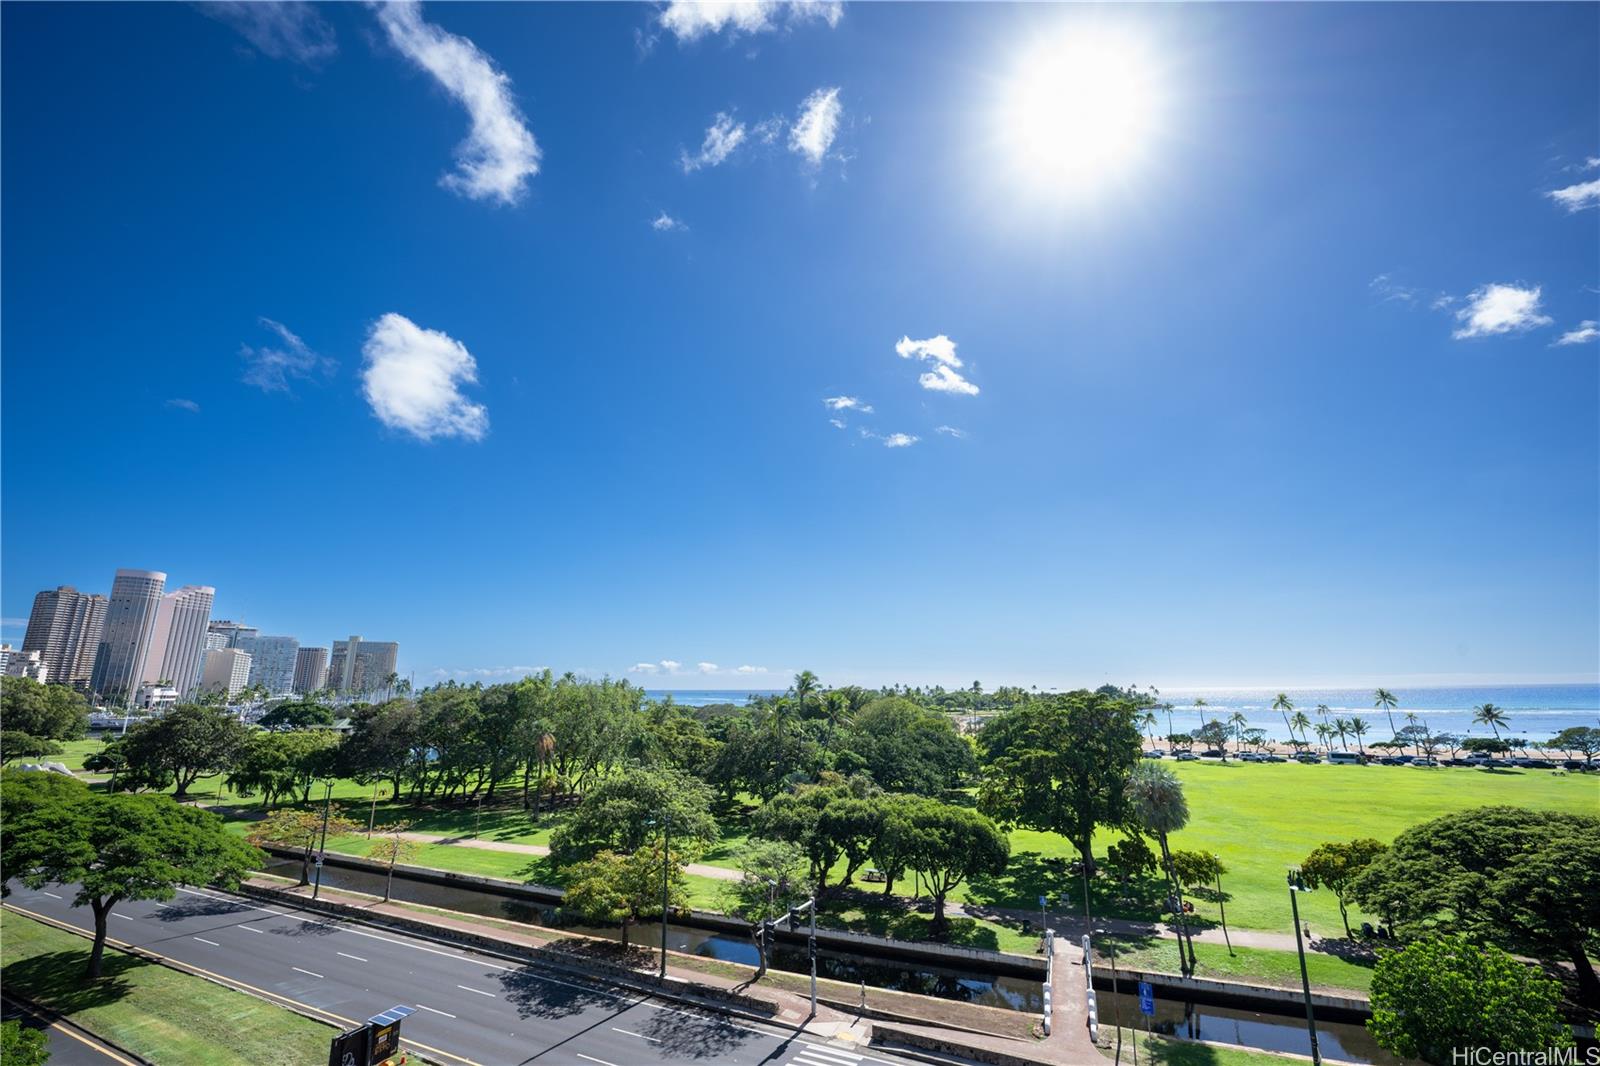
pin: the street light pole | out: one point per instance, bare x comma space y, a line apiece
666, 866
1296, 886
322, 848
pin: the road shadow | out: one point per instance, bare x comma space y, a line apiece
693, 1036
537, 995
199, 907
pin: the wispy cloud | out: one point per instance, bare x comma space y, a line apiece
723, 137
271, 368
706, 668
665, 223
689, 20
181, 404
837, 423
1577, 197
1587, 332
413, 380
952, 431
1389, 291
499, 155
847, 403
486, 673
813, 132
1499, 308
890, 440
292, 31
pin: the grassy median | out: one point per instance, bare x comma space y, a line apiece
155, 1012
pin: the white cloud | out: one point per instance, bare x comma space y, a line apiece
943, 379
1588, 330
899, 440
660, 666
1441, 302
184, 405
751, 670
1387, 290
813, 132
270, 368
413, 380
836, 423
665, 223
499, 155
847, 403
689, 20
952, 431
1495, 308
722, 139
706, 668
1577, 197
292, 31
769, 129
643, 668
670, 665
940, 349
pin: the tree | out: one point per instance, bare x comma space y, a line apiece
50, 712
954, 844
1214, 735
1490, 715
283, 765
392, 847
1131, 857
1156, 800
905, 748
1384, 701
1283, 705
1359, 727
15, 744
20, 1046
805, 686
301, 830
1336, 866
828, 822
625, 812
1237, 722
771, 880
113, 848
1060, 764
1441, 994
381, 743
304, 714
1513, 877
186, 743
1202, 869
1584, 739
609, 887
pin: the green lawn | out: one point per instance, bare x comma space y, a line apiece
157, 1013
1280, 968
1165, 1051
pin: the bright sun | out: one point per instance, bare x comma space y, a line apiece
1079, 111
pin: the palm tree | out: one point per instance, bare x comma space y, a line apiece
1490, 715
805, 684
1384, 700
1342, 728
1156, 796
1324, 731
1238, 721
1302, 723
1147, 722
1283, 705
1358, 728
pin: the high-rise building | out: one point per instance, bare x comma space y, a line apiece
178, 640
310, 670
232, 632
65, 628
271, 661
6, 652
125, 640
362, 667
27, 664
226, 670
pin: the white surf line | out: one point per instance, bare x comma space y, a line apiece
308, 973
481, 992
641, 1036
591, 1058
203, 940
358, 958
430, 1010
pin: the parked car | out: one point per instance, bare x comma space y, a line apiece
1574, 764
1394, 760
1187, 756
1273, 756
1152, 755
1213, 753
1425, 761
1307, 758
1249, 756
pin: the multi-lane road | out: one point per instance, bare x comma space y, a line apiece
471, 1009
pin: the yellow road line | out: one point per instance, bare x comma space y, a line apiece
94, 1045
233, 982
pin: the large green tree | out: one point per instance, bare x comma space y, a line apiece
1584, 739
631, 809
1335, 866
830, 821
186, 743
905, 748
772, 879
112, 848
1060, 764
50, 712
1521, 879
1442, 994
609, 887
302, 830
301, 714
953, 845
282, 766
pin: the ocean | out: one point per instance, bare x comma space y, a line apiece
1534, 712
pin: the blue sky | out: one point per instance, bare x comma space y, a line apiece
1274, 394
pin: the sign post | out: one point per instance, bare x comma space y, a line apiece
371, 1044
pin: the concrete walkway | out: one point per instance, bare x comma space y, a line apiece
720, 873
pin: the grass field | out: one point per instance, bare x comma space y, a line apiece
1280, 968
157, 1013
1165, 1051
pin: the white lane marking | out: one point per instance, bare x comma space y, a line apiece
591, 1058
827, 1053
52, 895
203, 940
811, 1058
251, 929
641, 1036
480, 991
297, 969
358, 958
430, 1010
124, 917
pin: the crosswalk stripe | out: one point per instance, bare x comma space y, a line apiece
819, 1056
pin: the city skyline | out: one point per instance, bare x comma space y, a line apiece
746, 348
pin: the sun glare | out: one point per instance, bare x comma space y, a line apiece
1078, 111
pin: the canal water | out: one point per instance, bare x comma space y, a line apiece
1271, 1032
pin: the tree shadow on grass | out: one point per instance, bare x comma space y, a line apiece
56, 979
692, 1035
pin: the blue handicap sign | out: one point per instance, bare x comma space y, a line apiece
1147, 998
1041, 901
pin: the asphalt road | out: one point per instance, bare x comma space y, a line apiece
68, 1045
472, 1009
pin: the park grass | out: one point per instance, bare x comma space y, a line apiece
1168, 1051
1259, 965
157, 1013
